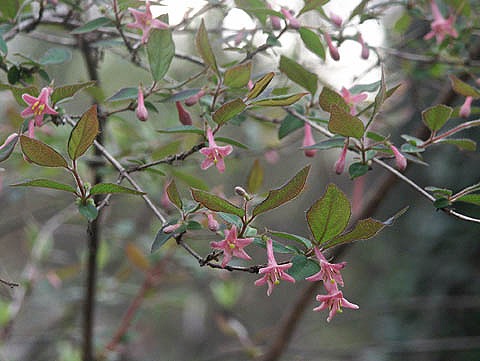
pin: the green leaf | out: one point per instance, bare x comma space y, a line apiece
329, 216
260, 85
289, 124
370, 88
412, 140
204, 49
302, 267
312, 5
435, 117
287, 192
232, 219
83, 134
312, 42
3, 47
357, 170
55, 56
228, 110
9, 9
470, 198
375, 136
238, 75
292, 237
89, 211
252, 8
93, 25
106, 188
130, 93
13, 75
441, 203
462, 144
68, 91
280, 101
344, 123
160, 51
255, 177
364, 229
381, 95
335, 142
439, 192
329, 97
215, 203
173, 195
277, 246
181, 95
8, 148
41, 153
463, 88
409, 148
161, 237
298, 74
45, 183
182, 129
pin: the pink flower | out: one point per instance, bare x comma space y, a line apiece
141, 112
212, 222
292, 20
440, 26
308, 141
183, 115
145, 22
171, 228
214, 154
232, 246
273, 272
340, 163
334, 301
37, 107
400, 160
329, 272
365, 49
466, 108
332, 48
336, 20
275, 20
352, 100
194, 98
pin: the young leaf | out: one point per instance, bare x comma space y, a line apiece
381, 95
260, 85
238, 75
83, 134
280, 101
216, 203
329, 216
289, 124
312, 5
204, 48
329, 97
357, 170
228, 110
130, 93
106, 188
45, 183
435, 117
470, 198
462, 144
298, 74
463, 88
255, 177
364, 229
173, 195
287, 192
253, 7
302, 267
160, 51
88, 210
68, 91
41, 153
312, 42
343, 123
8, 148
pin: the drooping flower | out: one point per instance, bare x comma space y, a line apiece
336, 20
292, 20
308, 141
440, 26
352, 99
232, 246
214, 154
340, 163
273, 272
332, 48
466, 108
183, 115
400, 160
365, 49
334, 301
145, 21
275, 20
192, 100
329, 272
212, 222
37, 107
141, 111
9, 139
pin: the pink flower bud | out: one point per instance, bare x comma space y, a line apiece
213, 224
340, 163
141, 112
194, 98
250, 84
239, 37
9, 139
336, 20
308, 141
466, 108
183, 115
365, 49
292, 20
400, 160
332, 48
276, 22
171, 228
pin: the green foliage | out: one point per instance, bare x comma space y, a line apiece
302, 267
238, 75
298, 74
357, 169
435, 117
160, 51
106, 188
329, 97
343, 123
55, 56
7, 150
173, 195
463, 88
216, 203
88, 210
228, 110
41, 153
45, 183
66, 92
312, 42
313, 5
255, 177
279, 101
83, 134
260, 85
204, 49
289, 124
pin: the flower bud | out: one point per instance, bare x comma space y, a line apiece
340, 163
213, 224
308, 141
9, 139
466, 108
292, 20
141, 112
365, 49
194, 98
242, 193
171, 228
332, 48
400, 160
336, 20
276, 22
183, 115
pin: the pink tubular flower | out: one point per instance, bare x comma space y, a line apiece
352, 100
466, 108
183, 115
141, 112
340, 163
273, 272
145, 21
292, 20
214, 154
336, 20
308, 141
365, 49
440, 26
275, 20
400, 160
212, 222
232, 246
332, 48
194, 98
9, 139
37, 107
334, 301
329, 272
